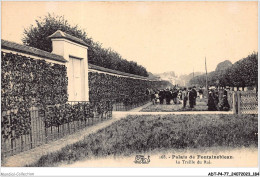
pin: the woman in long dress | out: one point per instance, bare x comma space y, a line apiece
211, 101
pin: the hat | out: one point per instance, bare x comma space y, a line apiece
227, 87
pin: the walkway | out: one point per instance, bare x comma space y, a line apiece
31, 156
165, 113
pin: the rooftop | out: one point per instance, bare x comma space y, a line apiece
99, 68
61, 34
30, 50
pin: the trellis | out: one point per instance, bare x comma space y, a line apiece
248, 103
245, 102
34, 106
40, 131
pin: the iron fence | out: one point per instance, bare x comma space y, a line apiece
243, 102
42, 131
248, 102
128, 103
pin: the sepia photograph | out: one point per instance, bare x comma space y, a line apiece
91, 85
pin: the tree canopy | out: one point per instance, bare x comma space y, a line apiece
223, 65
37, 36
242, 73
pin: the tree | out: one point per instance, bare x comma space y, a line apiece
242, 73
37, 36
223, 65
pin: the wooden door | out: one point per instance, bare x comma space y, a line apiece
76, 79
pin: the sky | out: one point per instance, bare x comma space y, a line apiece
161, 36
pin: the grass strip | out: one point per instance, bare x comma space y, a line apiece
145, 133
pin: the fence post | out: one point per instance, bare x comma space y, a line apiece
22, 144
12, 146
45, 132
239, 103
31, 129
234, 102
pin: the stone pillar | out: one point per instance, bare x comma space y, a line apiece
75, 51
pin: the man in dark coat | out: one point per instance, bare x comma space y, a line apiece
194, 93
147, 92
161, 96
184, 97
216, 99
168, 96
191, 98
174, 96
152, 96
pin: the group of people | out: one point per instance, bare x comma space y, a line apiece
215, 104
178, 95
189, 95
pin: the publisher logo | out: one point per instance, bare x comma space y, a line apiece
140, 159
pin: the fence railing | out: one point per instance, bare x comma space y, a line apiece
248, 103
243, 102
51, 123
129, 104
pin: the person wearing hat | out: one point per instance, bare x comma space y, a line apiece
152, 92
184, 97
168, 96
211, 101
191, 97
161, 96
201, 93
226, 91
224, 105
194, 93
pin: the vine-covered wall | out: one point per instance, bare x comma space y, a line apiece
28, 82
25, 83
115, 88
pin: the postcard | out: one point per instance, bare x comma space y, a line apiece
147, 85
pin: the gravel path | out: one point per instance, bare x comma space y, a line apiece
31, 156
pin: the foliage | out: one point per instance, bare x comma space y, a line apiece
120, 89
57, 115
223, 65
37, 36
143, 134
29, 82
16, 123
243, 73
25, 83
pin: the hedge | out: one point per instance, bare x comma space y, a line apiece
26, 83
115, 88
